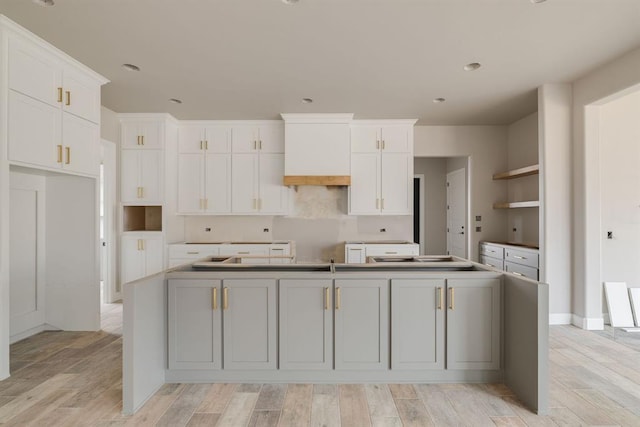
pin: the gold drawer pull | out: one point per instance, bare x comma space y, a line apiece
59, 94
326, 298
338, 298
440, 299
517, 274
59, 153
68, 98
214, 298
519, 257
451, 300
68, 151
225, 298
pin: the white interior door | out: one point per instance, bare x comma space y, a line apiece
456, 213
26, 270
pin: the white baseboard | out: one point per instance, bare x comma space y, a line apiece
29, 332
590, 324
560, 318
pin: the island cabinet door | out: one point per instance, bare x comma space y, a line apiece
195, 324
417, 323
362, 324
249, 331
473, 324
306, 324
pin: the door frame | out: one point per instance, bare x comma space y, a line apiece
108, 152
420, 209
467, 233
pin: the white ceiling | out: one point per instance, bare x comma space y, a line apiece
253, 59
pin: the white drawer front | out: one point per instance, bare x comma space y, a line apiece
492, 251
492, 262
193, 251
391, 250
521, 270
528, 258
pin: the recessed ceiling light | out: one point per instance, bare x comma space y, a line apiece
438, 100
538, 1
472, 66
130, 67
175, 101
45, 3
290, 1
307, 100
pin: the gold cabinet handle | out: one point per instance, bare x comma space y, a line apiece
519, 257
214, 298
193, 253
138, 140
139, 245
259, 204
383, 144
377, 203
59, 94
202, 145
255, 145
244, 253
142, 244
68, 151
68, 97
377, 144
139, 193
255, 204
381, 203
517, 274
338, 298
260, 144
206, 204
326, 298
206, 145
59, 153
225, 298
440, 301
451, 298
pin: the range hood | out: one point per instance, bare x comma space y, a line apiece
317, 149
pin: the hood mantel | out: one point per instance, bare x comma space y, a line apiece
317, 149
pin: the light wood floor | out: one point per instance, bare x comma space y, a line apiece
74, 379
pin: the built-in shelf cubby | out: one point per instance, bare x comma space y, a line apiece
142, 218
512, 174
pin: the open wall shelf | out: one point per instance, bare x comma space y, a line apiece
142, 218
518, 173
514, 205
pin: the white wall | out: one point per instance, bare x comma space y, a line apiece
598, 87
109, 125
486, 147
434, 201
556, 205
522, 150
620, 192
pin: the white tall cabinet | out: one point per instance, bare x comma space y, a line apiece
50, 131
381, 167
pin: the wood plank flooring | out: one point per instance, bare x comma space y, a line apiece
74, 379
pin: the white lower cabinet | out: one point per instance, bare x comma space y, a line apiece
306, 324
362, 324
249, 332
473, 324
417, 324
195, 324
142, 255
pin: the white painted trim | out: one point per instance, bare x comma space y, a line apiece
317, 118
589, 324
29, 332
109, 148
420, 176
560, 318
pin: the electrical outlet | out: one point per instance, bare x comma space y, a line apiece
383, 230
207, 229
478, 229
478, 218
265, 230
609, 234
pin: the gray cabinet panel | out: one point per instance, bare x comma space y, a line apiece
249, 323
194, 325
417, 323
496, 263
306, 324
473, 323
521, 270
520, 256
362, 324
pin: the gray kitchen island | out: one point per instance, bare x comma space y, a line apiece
413, 321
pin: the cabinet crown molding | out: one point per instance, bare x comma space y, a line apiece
317, 118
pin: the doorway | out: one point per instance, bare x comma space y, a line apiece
456, 213
109, 290
418, 211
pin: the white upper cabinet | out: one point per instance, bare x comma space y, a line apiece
250, 138
204, 169
142, 134
381, 168
257, 184
53, 107
141, 176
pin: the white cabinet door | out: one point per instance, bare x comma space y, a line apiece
249, 138
81, 96
244, 139
190, 183
131, 260
249, 311
195, 324
35, 73
190, 139
273, 194
153, 253
306, 324
473, 324
365, 139
417, 324
142, 134
28, 143
218, 183
396, 184
81, 140
395, 139
141, 176
354, 254
364, 192
362, 324
244, 178
271, 138
217, 139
